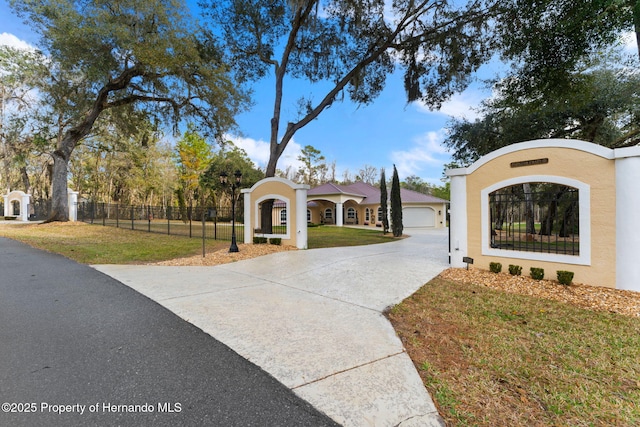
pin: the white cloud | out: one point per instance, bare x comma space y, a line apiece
629, 42
460, 106
7, 39
258, 152
427, 154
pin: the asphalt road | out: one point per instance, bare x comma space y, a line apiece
79, 348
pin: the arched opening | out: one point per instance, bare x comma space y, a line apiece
535, 217
352, 217
328, 216
278, 216
15, 207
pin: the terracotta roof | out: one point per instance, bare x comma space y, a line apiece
371, 193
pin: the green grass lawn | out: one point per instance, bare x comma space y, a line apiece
96, 244
329, 236
491, 358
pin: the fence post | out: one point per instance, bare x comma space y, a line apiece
169, 220
93, 211
149, 218
132, 218
104, 215
215, 226
117, 215
190, 213
203, 233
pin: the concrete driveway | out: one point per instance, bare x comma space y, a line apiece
313, 319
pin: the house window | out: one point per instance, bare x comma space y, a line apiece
351, 213
535, 217
308, 215
380, 214
283, 216
328, 214
367, 215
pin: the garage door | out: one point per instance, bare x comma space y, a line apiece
418, 217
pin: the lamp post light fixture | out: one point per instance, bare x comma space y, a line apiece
234, 186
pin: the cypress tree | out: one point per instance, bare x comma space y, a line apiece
396, 205
383, 202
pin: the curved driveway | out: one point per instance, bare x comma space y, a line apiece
313, 319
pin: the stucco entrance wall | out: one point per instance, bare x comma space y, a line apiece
294, 197
582, 165
22, 200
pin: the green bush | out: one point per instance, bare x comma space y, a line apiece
275, 241
515, 270
537, 273
259, 240
495, 267
565, 277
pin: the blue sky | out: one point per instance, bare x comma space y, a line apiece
382, 134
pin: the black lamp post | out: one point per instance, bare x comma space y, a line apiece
234, 185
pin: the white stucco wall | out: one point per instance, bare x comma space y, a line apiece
627, 226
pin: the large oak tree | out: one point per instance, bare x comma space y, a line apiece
106, 55
348, 48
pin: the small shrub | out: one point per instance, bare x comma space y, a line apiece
259, 240
515, 270
537, 273
275, 241
495, 267
565, 277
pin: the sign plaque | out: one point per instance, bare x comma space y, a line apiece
529, 163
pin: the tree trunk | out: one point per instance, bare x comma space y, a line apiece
567, 226
546, 227
266, 220
59, 199
636, 22
528, 210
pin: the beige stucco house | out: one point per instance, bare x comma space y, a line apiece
359, 204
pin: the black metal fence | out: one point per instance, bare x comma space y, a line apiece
544, 219
40, 209
210, 222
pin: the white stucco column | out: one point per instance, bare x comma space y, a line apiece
248, 224
339, 216
627, 208
72, 200
24, 206
301, 218
458, 216
6, 204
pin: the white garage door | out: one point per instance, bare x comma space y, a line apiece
418, 217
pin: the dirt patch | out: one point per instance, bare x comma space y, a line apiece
585, 296
223, 256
